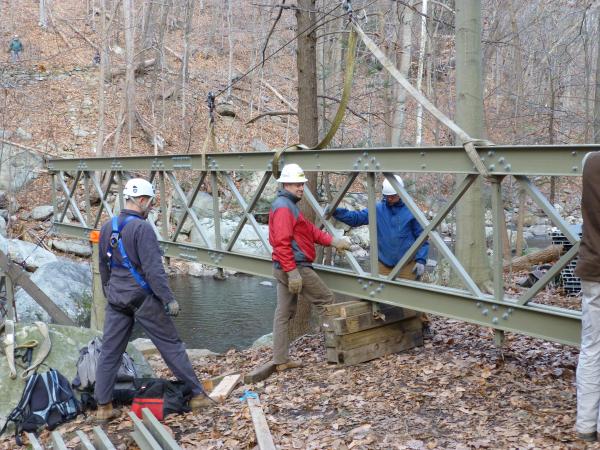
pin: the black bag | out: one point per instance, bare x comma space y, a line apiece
47, 400
162, 397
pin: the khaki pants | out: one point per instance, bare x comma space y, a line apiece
406, 273
313, 290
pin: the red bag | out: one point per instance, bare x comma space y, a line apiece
155, 405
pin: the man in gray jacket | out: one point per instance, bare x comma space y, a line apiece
136, 287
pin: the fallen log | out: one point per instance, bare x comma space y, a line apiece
524, 263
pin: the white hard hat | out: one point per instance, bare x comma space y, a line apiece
138, 187
292, 173
388, 189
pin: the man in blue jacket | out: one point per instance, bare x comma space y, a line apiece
397, 230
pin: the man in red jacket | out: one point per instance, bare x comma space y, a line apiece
293, 239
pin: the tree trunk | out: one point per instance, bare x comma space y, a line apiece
401, 95
423, 46
102, 80
470, 236
521, 263
189, 15
308, 128
130, 68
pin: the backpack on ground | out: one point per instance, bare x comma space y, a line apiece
162, 397
85, 380
47, 400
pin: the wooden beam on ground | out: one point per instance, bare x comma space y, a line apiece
158, 431
224, 388
211, 383
261, 427
20, 277
547, 255
260, 373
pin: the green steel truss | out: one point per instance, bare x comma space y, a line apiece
76, 181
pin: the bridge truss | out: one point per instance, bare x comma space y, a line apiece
76, 183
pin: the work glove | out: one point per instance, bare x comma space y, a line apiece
294, 281
340, 244
419, 269
172, 308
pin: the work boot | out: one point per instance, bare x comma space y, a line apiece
200, 401
106, 413
291, 364
588, 437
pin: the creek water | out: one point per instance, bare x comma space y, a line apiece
222, 314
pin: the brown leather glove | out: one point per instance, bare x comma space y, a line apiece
294, 281
341, 244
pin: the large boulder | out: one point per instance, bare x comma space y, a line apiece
20, 167
32, 255
66, 342
78, 248
69, 286
42, 212
203, 207
247, 242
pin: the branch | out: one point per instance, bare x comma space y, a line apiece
351, 111
264, 49
272, 113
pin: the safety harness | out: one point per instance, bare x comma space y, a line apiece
117, 242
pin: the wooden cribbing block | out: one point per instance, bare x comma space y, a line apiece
261, 427
335, 308
260, 373
366, 321
387, 333
408, 340
224, 388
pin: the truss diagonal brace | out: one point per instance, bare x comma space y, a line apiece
435, 237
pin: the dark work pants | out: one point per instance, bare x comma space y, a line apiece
161, 330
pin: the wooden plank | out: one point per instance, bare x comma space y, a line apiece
140, 434
158, 430
224, 388
371, 351
101, 440
21, 278
57, 441
261, 427
33, 442
209, 384
366, 321
356, 308
386, 333
335, 308
86, 444
260, 373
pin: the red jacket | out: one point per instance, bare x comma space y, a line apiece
292, 237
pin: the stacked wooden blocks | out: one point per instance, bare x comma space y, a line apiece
358, 331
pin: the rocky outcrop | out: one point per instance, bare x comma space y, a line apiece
69, 286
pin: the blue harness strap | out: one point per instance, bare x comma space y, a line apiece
117, 242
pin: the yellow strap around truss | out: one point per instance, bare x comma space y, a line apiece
339, 115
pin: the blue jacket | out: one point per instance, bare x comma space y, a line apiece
397, 230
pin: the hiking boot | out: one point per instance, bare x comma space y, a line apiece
200, 401
291, 364
588, 437
106, 413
